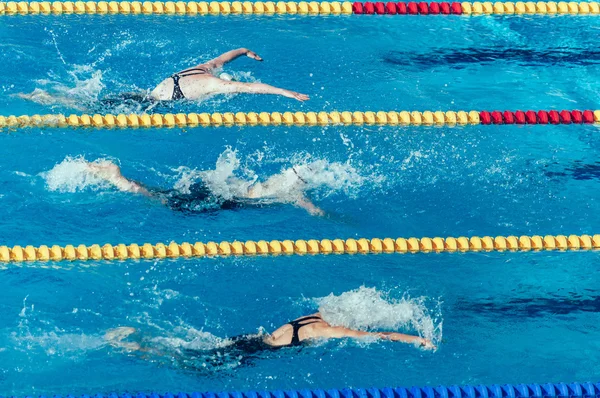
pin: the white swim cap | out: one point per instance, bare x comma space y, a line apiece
226, 77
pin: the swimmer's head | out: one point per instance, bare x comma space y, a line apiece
227, 77
299, 171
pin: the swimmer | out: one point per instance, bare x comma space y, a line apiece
285, 187
194, 83
200, 81
314, 326
293, 334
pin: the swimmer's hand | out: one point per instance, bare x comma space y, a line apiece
295, 95
317, 212
253, 55
309, 206
426, 344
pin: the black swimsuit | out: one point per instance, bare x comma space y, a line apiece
177, 93
297, 325
200, 199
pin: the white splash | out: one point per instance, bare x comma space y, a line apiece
190, 339
72, 175
32, 335
187, 347
228, 180
84, 91
367, 308
242, 76
60, 344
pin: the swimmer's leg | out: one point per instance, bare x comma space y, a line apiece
115, 338
111, 173
37, 95
43, 97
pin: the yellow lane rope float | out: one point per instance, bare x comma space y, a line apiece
276, 247
302, 8
383, 118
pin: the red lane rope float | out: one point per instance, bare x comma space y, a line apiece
201, 8
478, 8
407, 8
539, 117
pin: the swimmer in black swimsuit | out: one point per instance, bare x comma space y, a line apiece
293, 334
200, 81
200, 198
193, 83
199, 70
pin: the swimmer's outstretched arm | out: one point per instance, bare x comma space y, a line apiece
230, 56
259, 88
340, 332
309, 206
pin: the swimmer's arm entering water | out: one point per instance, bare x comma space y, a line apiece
230, 56
229, 87
309, 206
340, 332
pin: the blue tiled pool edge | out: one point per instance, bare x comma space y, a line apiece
586, 389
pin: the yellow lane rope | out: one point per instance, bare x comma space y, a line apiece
390, 118
174, 8
277, 247
289, 7
242, 119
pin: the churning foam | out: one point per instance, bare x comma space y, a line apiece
367, 308
72, 175
230, 180
71, 345
189, 338
85, 91
189, 348
33, 335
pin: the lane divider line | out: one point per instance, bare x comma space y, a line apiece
547, 390
383, 118
463, 244
323, 8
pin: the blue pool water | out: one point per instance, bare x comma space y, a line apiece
497, 317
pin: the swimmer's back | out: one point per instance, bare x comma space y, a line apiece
193, 87
298, 330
